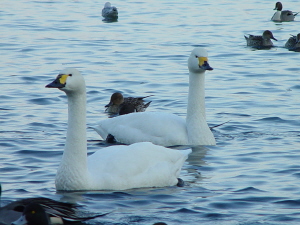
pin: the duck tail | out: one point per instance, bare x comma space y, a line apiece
147, 104
141, 98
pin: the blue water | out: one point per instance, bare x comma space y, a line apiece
250, 177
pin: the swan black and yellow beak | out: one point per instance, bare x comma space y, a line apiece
203, 63
59, 82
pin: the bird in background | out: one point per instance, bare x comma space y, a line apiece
259, 41
293, 43
110, 12
283, 15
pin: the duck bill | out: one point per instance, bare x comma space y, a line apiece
59, 82
203, 63
274, 38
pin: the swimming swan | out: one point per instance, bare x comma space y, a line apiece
112, 168
168, 129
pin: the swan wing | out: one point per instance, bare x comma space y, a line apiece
138, 165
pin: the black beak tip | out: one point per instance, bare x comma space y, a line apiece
206, 66
55, 84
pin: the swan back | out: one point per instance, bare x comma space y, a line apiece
158, 127
141, 164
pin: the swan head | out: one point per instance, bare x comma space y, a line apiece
68, 80
198, 61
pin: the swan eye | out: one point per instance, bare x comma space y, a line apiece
196, 56
70, 74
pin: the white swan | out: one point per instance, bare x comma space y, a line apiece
112, 168
164, 128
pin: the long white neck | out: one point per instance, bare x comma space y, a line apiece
196, 97
73, 172
198, 130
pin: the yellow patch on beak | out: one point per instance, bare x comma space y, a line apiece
63, 78
202, 60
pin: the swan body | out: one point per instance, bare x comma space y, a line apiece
260, 41
120, 105
113, 168
136, 122
282, 15
164, 128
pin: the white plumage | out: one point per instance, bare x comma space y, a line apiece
168, 129
113, 168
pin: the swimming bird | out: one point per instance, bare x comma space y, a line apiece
119, 104
282, 15
293, 43
109, 12
56, 212
168, 129
117, 167
33, 214
260, 41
